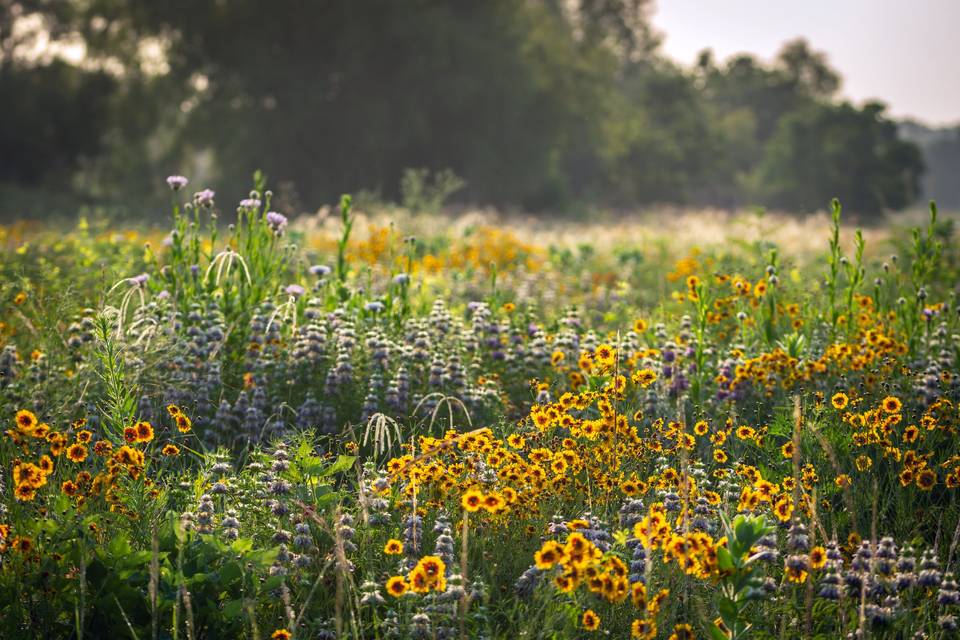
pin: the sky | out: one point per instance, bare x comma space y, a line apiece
905, 53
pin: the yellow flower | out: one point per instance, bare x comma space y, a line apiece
20, 298
494, 503
818, 557
746, 433
840, 401
417, 581
682, 632
590, 620
471, 500
77, 453
26, 420
549, 554
397, 586
644, 377
24, 492
143, 431
783, 508
644, 629
892, 404
22, 544
184, 423
795, 575
393, 547
926, 479
170, 450
281, 634
605, 355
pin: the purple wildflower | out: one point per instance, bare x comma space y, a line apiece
277, 221
204, 198
295, 290
176, 182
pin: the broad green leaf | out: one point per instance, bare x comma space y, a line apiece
233, 609
341, 464
716, 634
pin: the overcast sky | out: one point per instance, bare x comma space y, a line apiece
904, 52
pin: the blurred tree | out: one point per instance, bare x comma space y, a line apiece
339, 96
826, 151
52, 112
941, 154
536, 103
807, 70
40, 138
667, 148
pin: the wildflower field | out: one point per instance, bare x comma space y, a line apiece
390, 426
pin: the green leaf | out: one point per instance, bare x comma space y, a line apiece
743, 530
725, 561
119, 546
729, 611
265, 557
305, 449
242, 545
271, 583
323, 501
716, 634
312, 466
233, 609
341, 464
230, 572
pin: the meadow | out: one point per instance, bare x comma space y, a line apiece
386, 425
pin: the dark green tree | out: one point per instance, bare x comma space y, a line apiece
841, 151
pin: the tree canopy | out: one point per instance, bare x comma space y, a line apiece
539, 104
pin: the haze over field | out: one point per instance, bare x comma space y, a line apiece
904, 53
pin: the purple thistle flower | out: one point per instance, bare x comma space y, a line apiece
139, 280
176, 182
375, 306
204, 198
295, 290
320, 270
277, 221
250, 203
401, 278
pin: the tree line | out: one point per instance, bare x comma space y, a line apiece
545, 105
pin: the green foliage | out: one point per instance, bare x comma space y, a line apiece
544, 105
854, 154
740, 576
